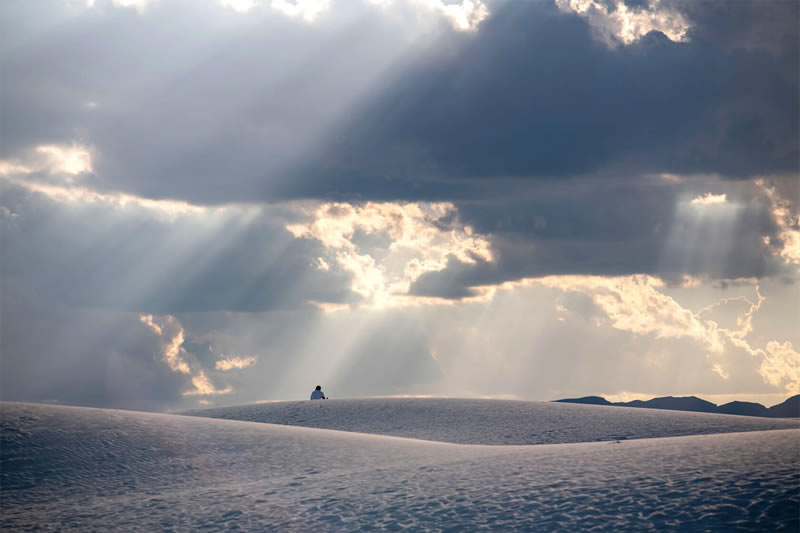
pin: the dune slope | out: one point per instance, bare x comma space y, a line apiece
84, 469
492, 421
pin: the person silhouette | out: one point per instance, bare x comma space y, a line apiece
317, 394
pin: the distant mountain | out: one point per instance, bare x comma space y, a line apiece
685, 403
788, 409
743, 408
591, 400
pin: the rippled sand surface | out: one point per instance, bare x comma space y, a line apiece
493, 421
67, 468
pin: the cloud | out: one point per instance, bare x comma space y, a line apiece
305, 9
78, 195
268, 186
232, 362
466, 15
710, 199
141, 6
50, 158
786, 243
619, 23
635, 304
241, 6
413, 239
76, 356
157, 257
171, 333
452, 118
781, 366
744, 321
717, 368
172, 350
367, 106
624, 334
599, 336
591, 227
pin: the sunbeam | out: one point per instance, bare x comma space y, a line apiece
407, 197
701, 236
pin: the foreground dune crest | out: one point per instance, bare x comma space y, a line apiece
79, 469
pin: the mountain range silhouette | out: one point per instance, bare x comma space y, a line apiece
788, 409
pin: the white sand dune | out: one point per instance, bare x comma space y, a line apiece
469, 421
69, 468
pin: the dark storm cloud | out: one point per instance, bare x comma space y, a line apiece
748, 25
615, 227
212, 106
549, 140
534, 94
223, 106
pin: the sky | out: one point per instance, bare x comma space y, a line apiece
219, 202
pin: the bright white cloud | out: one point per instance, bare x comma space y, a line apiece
64, 163
308, 10
11, 168
173, 353
788, 223
744, 322
83, 195
171, 333
328, 308
635, 304
70, 160
50, 158
690, 282
242, 6
711, 199
232, 362
419, 242
140, 6
670, 178
717, 369
323, 265
626, 396
465, 16
781, 366
627, 25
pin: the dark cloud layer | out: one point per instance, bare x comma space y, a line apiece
542, 135
533, 94
224, 107
615, 227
